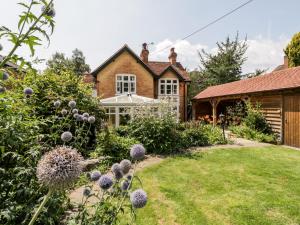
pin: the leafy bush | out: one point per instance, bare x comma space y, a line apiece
214, 134
110, 144
244, 131
193, 137
255, 120
157, 134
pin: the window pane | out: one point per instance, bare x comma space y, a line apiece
119, 77
125, 77
169, 88
132, 78
169, 81
175, 81
162, 81
175, 89
132, 88
112, 110
162, 89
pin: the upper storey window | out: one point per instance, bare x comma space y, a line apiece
168, 86
125, 83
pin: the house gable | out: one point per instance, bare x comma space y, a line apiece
124, 63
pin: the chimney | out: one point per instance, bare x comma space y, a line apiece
286, 61
172, 56
144, 53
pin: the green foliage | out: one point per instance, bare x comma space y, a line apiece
292, 51
59, 63
32, 28
193, 137
244, 131
255, 120
214, 134
157, 134
235, 113
224, 66
110, 144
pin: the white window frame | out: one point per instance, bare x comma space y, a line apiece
123, 81
165, 84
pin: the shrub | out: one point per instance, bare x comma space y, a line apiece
214, 134
110, 144
244, 131
255, 120
157, 134
193, 137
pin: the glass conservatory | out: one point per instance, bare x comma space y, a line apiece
121, 108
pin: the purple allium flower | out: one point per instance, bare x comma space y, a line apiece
59, 168
116, 169
50, 11
5, 76
137, 152
86, 114
28, 91
91, 119
138, 198
75, 111
57, 104
125, 165
79, 118
64, 112
95, 175
66, 136
85, 119
86, 192
129, 177
72, 104
105, 182
125, 185
2, 89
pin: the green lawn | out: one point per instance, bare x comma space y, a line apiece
224, 186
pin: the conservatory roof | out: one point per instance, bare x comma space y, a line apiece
127, 100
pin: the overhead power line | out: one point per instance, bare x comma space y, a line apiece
208, 25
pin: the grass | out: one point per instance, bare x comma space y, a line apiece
224, 186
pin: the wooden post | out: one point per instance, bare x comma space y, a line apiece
214, 104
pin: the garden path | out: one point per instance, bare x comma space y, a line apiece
76, 195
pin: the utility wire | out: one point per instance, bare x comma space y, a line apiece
208, 25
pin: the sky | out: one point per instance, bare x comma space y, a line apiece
101, 27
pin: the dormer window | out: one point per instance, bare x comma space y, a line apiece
125, 83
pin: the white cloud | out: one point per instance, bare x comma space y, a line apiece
262, 53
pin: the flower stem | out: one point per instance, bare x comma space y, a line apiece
33, 219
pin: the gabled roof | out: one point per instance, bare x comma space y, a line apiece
276, 80
118, 53
157, 69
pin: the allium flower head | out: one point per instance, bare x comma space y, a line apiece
75, 115
125, 165
86, 191
125, 185
2, 89
66, 136
74, 111
85, 119
57, 104
59, 168
79, 118
116, 169
72, 104
86, 114
137, 152
95, 175
50, 11
91, 119
64, 112
5, 76
28, 91
105, 182
138, 198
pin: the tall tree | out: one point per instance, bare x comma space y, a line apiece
218, 68
78, 60
60, 63
292, 51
